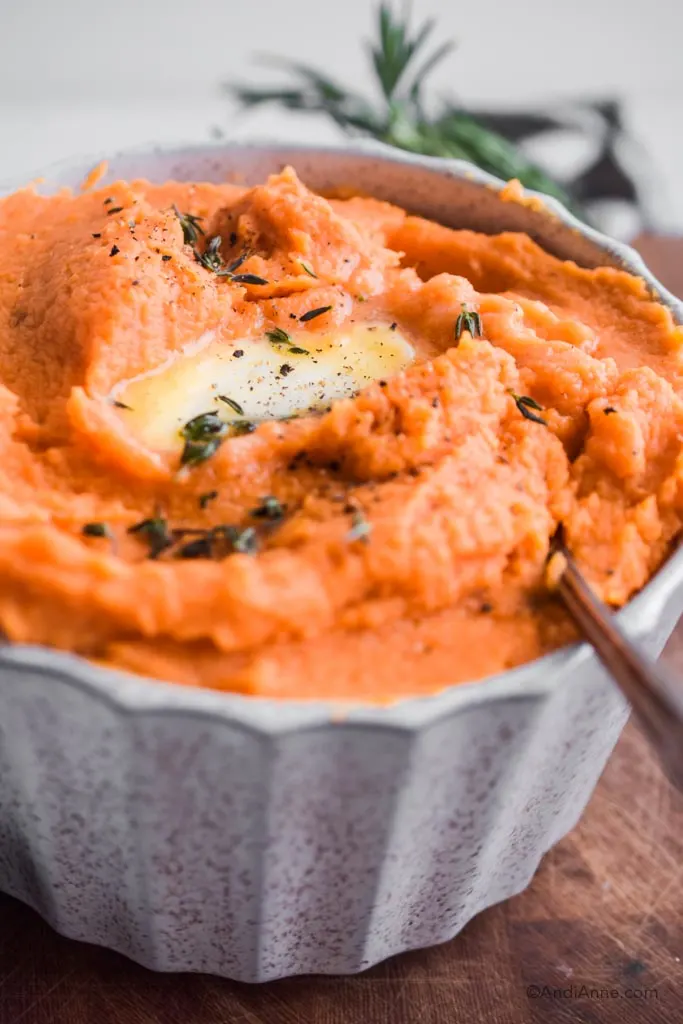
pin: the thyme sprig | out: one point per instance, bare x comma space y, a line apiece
191, 225
526, 405
211, 259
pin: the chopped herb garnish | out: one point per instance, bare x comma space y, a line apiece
96, 530
97, 234
114, 209
240, 427
201, 427
156, 532
212, 260
313, 313
609, 409
233, 404
248, 279
278, 337
107, 200
308, 269
114, 250
360, 527
166, 257
526, 404
238, 353
236, 264
392, 327
285, 369
245, 541
202, 547
269, 508
203, 436
191, 226
204, 499
121, 405
195, 452
296, 350
469, 320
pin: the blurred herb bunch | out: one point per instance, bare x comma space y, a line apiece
402, 64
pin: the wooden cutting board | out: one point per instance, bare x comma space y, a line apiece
597, 938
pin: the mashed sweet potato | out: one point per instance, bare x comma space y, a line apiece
390, 546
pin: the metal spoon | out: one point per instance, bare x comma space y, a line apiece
655, 695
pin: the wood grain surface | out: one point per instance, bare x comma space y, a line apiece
597, 938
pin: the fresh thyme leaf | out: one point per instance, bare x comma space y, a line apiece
196, 452
191, 226
404, 117
360, 527
205, 499
156, 532
244, 541
95, 530
233, 404
526, 404
203, 436
269, 508
211, 258
114, 251
308, 269
296, 350
277, 336
470, 321
209, 496
313, 313
236, 264
202, 547
248, 279
121, 405
240, 427
608, 410
114, 209
204, 426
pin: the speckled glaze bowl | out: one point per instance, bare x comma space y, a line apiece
199, 831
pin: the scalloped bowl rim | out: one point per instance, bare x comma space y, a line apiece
129, 693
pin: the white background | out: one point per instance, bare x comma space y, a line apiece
81, 76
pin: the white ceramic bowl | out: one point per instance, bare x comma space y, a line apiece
194, 830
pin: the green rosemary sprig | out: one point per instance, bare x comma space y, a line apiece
402, 63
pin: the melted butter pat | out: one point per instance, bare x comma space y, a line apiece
269, 381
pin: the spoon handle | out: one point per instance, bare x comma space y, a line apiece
655, 695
